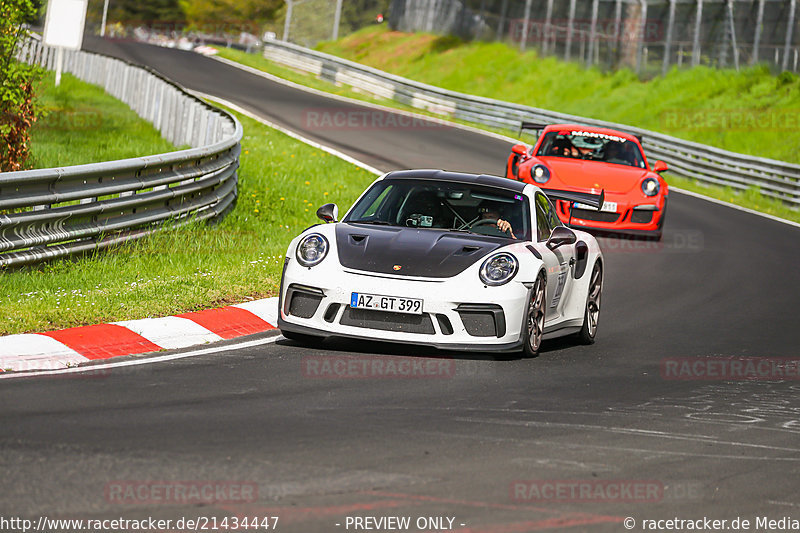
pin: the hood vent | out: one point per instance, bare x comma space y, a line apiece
358, 239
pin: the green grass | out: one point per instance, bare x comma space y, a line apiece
84, 124
281, 184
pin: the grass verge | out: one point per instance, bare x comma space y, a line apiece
82, 123
196, 267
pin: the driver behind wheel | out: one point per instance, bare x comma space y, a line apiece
492, 211
564, 148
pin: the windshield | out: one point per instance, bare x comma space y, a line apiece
444, 205
590, 145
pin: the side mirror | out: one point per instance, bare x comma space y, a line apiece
561, 235
519, 149
660, 166
328, 213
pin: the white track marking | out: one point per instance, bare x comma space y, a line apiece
144, 361
289, 132
298, 86
615, 448
266, 309
790, 504
628, 431
171, 332
31, 350
371, 105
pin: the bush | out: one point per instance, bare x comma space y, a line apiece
17, 79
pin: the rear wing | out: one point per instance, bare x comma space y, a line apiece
594, 200
538, 126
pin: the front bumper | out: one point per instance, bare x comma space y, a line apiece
458, 313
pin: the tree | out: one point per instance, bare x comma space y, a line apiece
230, 16
17, 79
136, 12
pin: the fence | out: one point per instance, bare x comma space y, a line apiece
309, 21
776, 179
55, 212
647, 35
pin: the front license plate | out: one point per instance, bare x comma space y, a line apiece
609, 207
396, 304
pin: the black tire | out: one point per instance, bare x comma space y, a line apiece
591, 313
302, 338
534, 317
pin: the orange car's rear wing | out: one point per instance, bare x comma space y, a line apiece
594, 200
538, 126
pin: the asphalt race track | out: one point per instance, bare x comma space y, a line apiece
460, 441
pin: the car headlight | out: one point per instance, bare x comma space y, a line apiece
312, 249
650, 186
499, 269
540, 173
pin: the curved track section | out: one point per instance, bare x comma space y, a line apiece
457, 441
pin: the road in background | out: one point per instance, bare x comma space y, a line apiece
476, 438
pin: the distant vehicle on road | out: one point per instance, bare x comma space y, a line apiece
589, 159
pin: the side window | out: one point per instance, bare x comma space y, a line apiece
552, 215
373, 208
544, 217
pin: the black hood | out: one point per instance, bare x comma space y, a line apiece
419, 252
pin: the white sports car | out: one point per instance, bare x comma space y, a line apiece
451, 260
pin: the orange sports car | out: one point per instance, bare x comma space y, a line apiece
589, 159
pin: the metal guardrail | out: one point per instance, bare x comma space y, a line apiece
775, 179
55, 212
